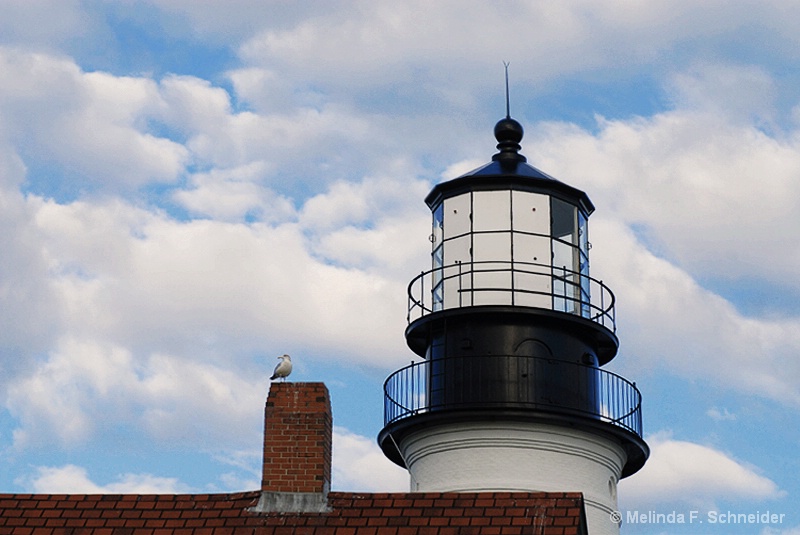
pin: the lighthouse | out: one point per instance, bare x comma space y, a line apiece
513, 331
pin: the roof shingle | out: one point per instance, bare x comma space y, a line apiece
430, 513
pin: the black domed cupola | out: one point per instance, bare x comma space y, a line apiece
513, 332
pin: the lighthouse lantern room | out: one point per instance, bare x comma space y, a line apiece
511, 394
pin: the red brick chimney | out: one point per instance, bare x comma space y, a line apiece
298, 429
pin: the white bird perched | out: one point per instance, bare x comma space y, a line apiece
283, 369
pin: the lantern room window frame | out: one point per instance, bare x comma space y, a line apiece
510, 247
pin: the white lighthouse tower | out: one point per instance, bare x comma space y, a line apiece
511, 394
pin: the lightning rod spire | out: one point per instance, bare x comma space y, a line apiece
508, 100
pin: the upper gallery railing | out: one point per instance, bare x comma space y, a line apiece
511, 283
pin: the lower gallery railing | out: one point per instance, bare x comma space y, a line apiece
513, 382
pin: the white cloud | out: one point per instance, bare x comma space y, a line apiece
460, 168
235, 18
716, 195
153, 311
86, 388
44, 22
71, 479
360, 465
600, 30
669, 322
267, 91
311, 143
31, 314
694, 475
225, 415
379, 225
350, 203
233, 195
743, 93
94, 126
365, 46
149, 282
718, 415
247, 465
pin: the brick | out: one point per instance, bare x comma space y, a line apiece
563, 521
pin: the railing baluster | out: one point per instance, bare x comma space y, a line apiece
460, 286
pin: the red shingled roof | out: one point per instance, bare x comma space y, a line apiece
449, 513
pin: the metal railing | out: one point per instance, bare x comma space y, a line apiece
511, 283
513, 382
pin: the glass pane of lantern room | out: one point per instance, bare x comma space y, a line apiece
531, 212
456, 216
492, 268
437, 234
491, 210
491, 227
457, 280
437, 257
583, 232
456, 243
491, 247
566, 255
530, 218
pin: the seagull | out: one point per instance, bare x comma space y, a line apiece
283, 369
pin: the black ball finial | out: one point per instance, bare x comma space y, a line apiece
508, 129
508, 133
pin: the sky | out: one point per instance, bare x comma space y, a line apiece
189, 189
